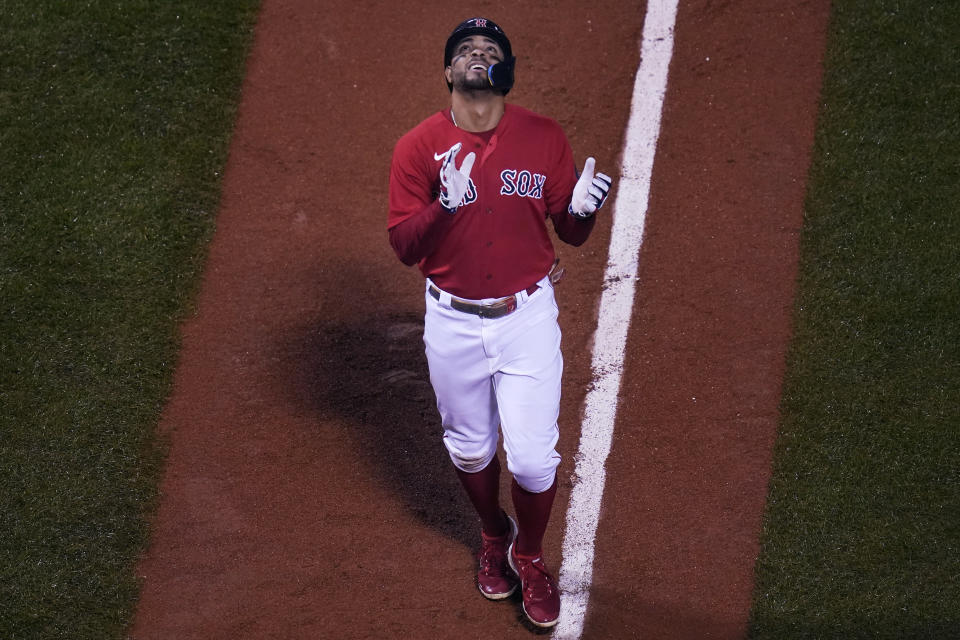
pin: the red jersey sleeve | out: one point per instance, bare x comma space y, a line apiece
570, 229
416, 222
412, 185
417, 236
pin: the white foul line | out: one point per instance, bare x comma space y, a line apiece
616, 305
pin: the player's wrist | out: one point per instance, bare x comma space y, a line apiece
580, 215
445, 205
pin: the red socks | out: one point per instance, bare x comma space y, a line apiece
483, 488
533, 509
533, 513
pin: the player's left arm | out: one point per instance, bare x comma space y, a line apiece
571, 229
575, 218
590, 192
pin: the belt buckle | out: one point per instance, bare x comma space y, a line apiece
498, 309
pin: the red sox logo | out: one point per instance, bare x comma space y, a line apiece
522, 183
481, 22
470, 195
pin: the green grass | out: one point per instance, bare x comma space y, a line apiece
114, 124
862, 531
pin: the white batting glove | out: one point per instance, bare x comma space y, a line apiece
454, 182
590, 192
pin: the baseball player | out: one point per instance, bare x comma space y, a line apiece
471, 190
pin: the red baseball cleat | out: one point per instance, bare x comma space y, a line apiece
494, 577
541, 597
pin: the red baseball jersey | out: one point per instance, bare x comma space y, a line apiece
497, 242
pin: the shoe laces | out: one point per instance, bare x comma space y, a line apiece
537, 582
493, 555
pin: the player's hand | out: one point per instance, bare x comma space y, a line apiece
454, 182
590, 192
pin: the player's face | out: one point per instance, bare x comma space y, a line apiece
471, 58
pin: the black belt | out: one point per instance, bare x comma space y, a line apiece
496, 309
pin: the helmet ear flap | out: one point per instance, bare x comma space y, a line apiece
500, 74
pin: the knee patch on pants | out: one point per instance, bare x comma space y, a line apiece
473, 460
535, 478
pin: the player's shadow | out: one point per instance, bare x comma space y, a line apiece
369, 376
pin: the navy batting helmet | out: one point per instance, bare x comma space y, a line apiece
501, 73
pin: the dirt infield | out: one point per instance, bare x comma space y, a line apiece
308, 495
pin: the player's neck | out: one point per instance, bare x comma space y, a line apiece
477, 112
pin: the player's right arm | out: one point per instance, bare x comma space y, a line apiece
418, 235
416, 222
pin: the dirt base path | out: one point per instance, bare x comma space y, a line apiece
307, 494
690, 465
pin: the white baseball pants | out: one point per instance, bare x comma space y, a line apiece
498, 374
